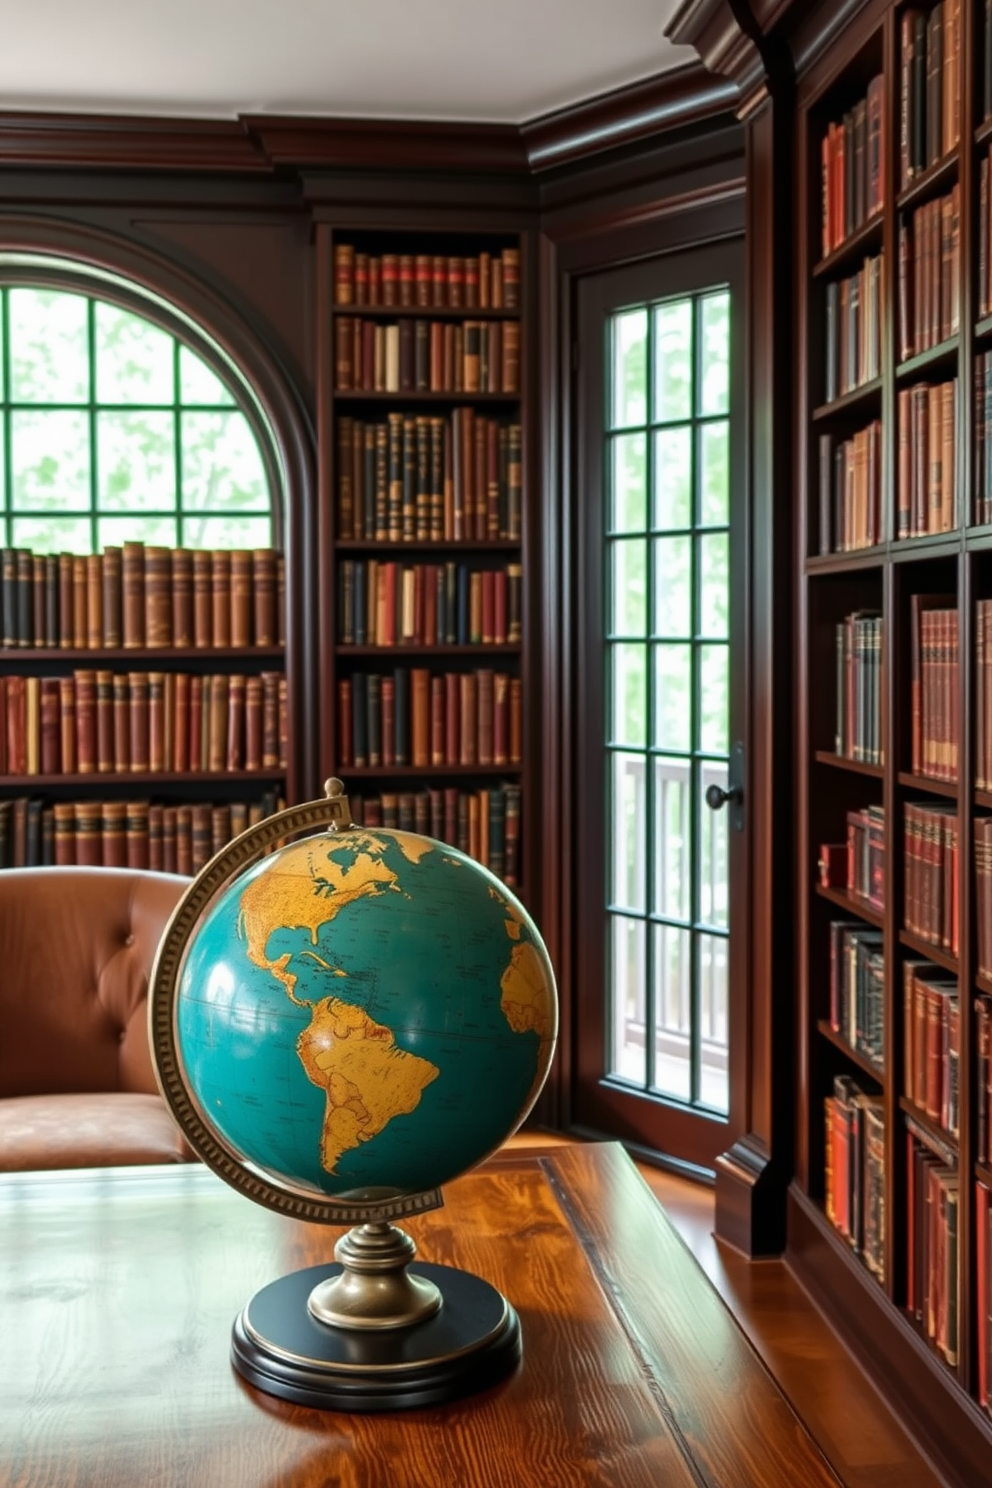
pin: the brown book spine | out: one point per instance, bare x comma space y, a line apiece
388, 722
195, 737
511, 278
133, 592
85, 682
66, 633
154, 840
51, 602
38, 599
344, 344
241, 597
51, 728
168, 843
516, 721
201, 827
122, 722
184, 840
79, 603
344, 274
220, 828
180, 724
253, 723
501, 719
94, 602
158, 597
452, 719
156, 721
282, 703
104, 682
136, 835
112, 598
138, 720
65, 833
280, 599
270, 720
203, 633
420, 708
469, 718
32, 708
113, 833
345, 724
264, 594
89, 833
217, 735
182, 598
220, 578
67, 717
236, 702
16, 726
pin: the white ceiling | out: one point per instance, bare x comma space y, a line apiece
497, 60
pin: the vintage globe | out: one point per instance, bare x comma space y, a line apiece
360, 1015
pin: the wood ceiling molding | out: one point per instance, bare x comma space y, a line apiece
723, 43
115, 142
390, 144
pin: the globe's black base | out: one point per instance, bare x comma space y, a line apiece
471, 1343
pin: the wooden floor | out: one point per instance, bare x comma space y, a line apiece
858, 1434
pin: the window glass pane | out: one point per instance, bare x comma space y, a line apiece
714, 700
672, 1011
629, 723
3, 359
136, 461
222, 464
673, 478
134, 360
714, 474
714, 387
50, 460
629, 815
713, 1081
227, 532
673, 361
630, 369
629, 585
112, 531
49, 348
629, 506
629, 968
198, 383
673, 698
672, 837
673, 586
46, 534
713, 894
714, 580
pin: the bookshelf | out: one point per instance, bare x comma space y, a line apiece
890, 1213
421, 392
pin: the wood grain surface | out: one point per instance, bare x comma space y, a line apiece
118, 1289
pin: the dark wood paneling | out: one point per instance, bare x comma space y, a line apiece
115, 142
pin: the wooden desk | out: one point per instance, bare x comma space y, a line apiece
118, 1288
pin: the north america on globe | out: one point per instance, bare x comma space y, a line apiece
366, 1012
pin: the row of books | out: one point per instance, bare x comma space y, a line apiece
123, 834
983, 1223
932, 874
426, 356
983, 439
851, 490
985, 232
931, 1028
929, 86
857, 987
932, 1241
926, 482
858, 734
428, 604
934, 686
485, 824
487, 281
853, 330
103, 722
983, 1078
852, 166
416, 479
410, 717
141, 595
857, 866
854, 1172
930, 275
983, 892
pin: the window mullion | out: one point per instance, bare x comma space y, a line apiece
651, 999
8, 458
91, 410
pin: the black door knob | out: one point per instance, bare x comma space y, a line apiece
716, 798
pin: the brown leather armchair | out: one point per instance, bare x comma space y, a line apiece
77, 1087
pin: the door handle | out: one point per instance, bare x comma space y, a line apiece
716, 797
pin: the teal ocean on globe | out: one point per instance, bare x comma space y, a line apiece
366, 1012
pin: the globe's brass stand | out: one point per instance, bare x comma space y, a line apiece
375, 1289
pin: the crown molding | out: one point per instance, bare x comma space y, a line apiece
127, 142
726, 45
392, 144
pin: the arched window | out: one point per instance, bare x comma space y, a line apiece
115, 429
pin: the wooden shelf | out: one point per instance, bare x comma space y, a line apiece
927, 785
983, 982
929, 182
862, 1061
841, 762
479, 650
945, 351
933, 953
168, 656
983, 798
933, 1129
868, 392
117, 781
428, 545
853, 905
984, 131
860, 242
984, 1172
983, 330
846, 562
424, 772
423, 312
443, 399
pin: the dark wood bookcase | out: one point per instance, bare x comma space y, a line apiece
941, 1397
340, 661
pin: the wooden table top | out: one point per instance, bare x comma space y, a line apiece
118, 1288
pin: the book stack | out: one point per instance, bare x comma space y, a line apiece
932, 1240
866, 855
417, 479
428, 604
485, 824
929, 86
141, 597
854, 1170
858, 734
426, 356
934, 686
983, 1078
983, 1298
930, 275
932, 874
852, 162
983, 892
105, 722
853, 330
931, 1042
983, 439
485, 281
926, 484
983, 694
123, 834
411, 717
851, 490
857, 987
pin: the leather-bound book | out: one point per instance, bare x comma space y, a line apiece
439, 280
184, 840
8, 588
25, 596
435, 380
345, 726
113, 597
220, 828
263, 580
472, 362
203, 625
510, 357
220, 575
421, 356
282, 690
346, 487
32, 710
373, 705
270, 720
424, 279
47, 837
511, 868
496, 823
113, 834
241, 597
437, 722
468, 718
37, 599
449, 832
67, 725
180, 724
452, 719
139, 723
66, 633
3, 731
485, 280
85, 683
365, 374
487, 606
121, 691
32, 833
407, 369
64, 815
344, 347
420, 708
484, 727
474, 609
217, 688
169, 720
253, 723
156, 722
516, 721
133, 595
280, 599
344, 274
239, 818
501, 719
182, 599
158, 597
406, 279
390, 280
51, 563
456, 283
511, 278
388, 704
104, 685
137, 832
17, 730
514, 483
236, 703
496, 284
195, 735
202, 830
360, 737
79, 597
94, 602
51, 727
481, 453
361, 279
514, 603
470, 282
403, 715
89, 834
169, 836
500, 607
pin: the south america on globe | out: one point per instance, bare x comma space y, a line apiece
365, 1014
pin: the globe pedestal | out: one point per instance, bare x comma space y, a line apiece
368, 1335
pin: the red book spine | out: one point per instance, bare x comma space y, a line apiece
85, 684
437, 721
236, 702
452, 720
345, 724
51, 731
195, 729
180, 731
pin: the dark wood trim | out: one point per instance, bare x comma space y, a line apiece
725, 44
128, 142
376, 144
